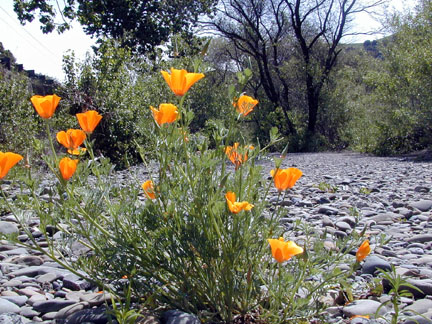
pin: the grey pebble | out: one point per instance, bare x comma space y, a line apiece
363, 307
422, 205
17, 300
420, 306
53, 305
8, 307
8, 228
178, 317
373, 263
11, 318
395, 206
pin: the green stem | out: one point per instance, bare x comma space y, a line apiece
51, 141
36, 246
87, 216
182, 114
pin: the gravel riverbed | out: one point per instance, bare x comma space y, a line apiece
391, 196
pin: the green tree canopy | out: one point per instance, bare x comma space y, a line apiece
138, 24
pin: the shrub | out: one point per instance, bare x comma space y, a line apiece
18, 124
116, 85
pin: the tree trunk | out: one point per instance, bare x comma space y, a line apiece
312, 100
291, 128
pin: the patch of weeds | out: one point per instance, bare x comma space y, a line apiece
398, 290
375, 287
365, 191
326, 187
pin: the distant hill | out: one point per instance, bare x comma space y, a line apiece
370, 46
40, 83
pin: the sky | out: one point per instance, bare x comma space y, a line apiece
44, 52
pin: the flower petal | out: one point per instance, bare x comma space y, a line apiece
7, 161
245, 104
67, 167
45, 106
363, 251
180, 81
148, 188
89, 120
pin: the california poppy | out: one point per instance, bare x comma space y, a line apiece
149, 189
89, 120
237, 157
7, 161
363, 251
45, 105
67, 167
234, 206
245, 104
283, 251
71, 139
78, 151
180, 80
285, 178
166, 114
359, 316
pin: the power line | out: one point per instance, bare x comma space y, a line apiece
28, 33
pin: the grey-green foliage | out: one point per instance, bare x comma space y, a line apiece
393, 114
122, 87
17, 117
122, 90
352, 107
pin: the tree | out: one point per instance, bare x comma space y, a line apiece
276, 32
401, 84
138, 24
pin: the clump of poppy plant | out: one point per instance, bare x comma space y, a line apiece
199, 239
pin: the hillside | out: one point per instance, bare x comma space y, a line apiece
40, 83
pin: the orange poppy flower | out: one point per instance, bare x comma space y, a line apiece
78, 151
71, 139
180, 80
67, 167
7, 161
166, 114
359, 316
245, 104
363, 251
285, 178
45, 105
148, 188
234, 206
235, 157
89, 120
283, 251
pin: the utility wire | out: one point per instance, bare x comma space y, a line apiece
28, 33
